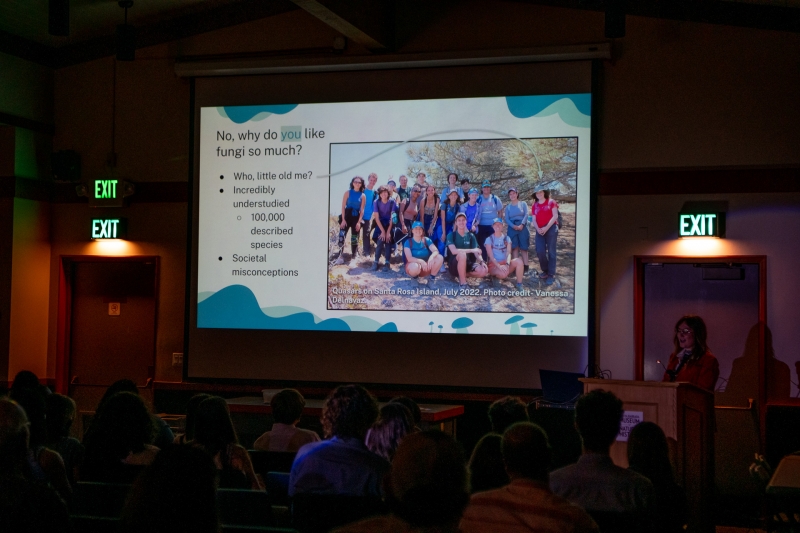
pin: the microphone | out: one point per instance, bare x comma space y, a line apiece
686, 355
670, 373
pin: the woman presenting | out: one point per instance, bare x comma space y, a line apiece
691, 361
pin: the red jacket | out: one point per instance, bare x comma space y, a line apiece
702, 372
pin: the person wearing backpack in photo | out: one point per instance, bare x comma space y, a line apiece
516, 218
450, 208
465, 258
545, 222
422, 256
382, 210
472, 210
351, 219
498, 246
453, 185
490, 208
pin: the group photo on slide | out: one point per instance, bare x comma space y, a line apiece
483, 225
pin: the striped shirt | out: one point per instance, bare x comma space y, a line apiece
524, 505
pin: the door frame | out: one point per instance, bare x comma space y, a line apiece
639, 263
64, 317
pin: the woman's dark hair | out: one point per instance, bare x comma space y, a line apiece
124, 425
648, 453
352, 181
394, 423
349, 411
411, 405
458, 198
213, 428
287, 406
598, 415
698, 326
191, 414
383, 189
60, 415
176, 492
435, 194
25, 379
452, 174
121, 385
487, 470
546, 195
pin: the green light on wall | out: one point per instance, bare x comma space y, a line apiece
105, 189
109, 228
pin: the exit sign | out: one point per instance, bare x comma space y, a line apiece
109, 228
107, 192
701, 225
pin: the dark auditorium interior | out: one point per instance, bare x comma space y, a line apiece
695, 108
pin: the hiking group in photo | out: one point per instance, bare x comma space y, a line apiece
464, 232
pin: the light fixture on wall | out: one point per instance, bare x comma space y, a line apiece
126, 36
58, 18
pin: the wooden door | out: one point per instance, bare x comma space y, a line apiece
112, 326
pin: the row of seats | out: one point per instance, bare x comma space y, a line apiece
97, 507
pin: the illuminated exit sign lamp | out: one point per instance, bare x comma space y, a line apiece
109, 228
701, 225
106, 192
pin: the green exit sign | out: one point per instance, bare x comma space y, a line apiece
109, 228
701, 225
106, 192
105, 189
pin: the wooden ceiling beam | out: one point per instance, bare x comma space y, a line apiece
366, 22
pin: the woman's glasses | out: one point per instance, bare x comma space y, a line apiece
685, 331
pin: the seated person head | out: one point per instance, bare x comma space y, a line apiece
598, 415
487, 469
394, 423
412, 406
507, 411
13, 439
648, 452
177, 492
526, 452
123, 426
25, 379
349, 411
427, 484
60, 411
287, 406
213, 428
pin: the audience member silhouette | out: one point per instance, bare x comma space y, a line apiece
526, 504
648, 455
175, 494
595, 482
285, 436
214, 432
60, 416
25, 506
487, 470
394, 423
191, 414
164, 435
343, 464
46, 465
426, 487
411, 405
118, 444
507, 411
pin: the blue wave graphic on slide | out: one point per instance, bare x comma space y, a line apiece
242, 113
236, 307
574, 109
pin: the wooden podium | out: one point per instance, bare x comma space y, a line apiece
686, 414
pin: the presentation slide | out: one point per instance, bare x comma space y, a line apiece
465, 215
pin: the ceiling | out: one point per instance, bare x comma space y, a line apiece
24, 23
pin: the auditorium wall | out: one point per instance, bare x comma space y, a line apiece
675, 95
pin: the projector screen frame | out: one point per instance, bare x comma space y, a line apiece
596, 75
